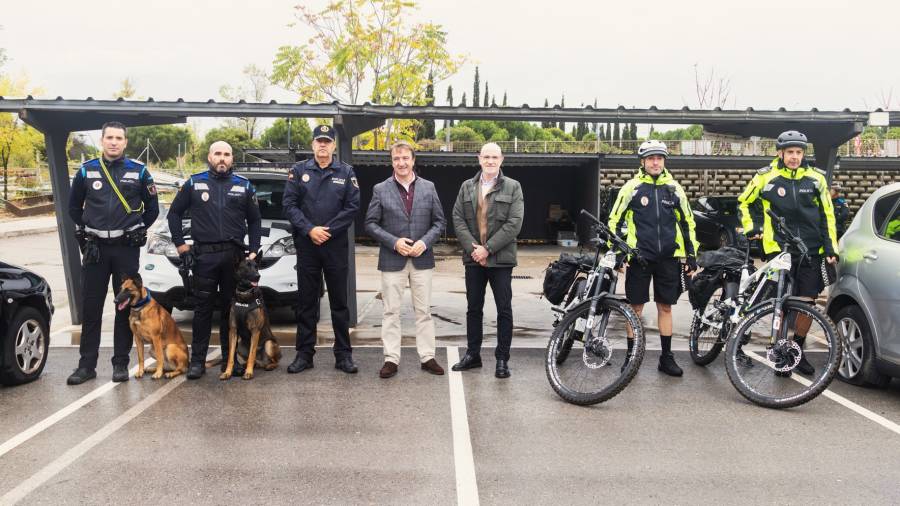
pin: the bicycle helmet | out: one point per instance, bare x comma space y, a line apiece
791, 138
652, 147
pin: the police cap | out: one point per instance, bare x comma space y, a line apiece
323, 132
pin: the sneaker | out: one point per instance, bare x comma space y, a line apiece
668, 366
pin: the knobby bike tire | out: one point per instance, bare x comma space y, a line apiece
814, 389
625, 377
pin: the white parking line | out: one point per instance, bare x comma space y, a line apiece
48, 422
464, 462
50, 470
843, 401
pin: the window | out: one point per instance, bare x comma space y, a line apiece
884, 214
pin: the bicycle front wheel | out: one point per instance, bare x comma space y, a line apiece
767, 371
600, 364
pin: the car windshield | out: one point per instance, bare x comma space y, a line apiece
269, 193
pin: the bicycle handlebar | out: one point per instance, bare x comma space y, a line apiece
617, 241
785, 231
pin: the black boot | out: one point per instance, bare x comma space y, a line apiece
81, 375
300, 364
467, 362
803, 367
196, 370
668, 366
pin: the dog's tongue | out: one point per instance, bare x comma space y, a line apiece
254, 283
122, 305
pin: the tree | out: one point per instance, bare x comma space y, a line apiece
166, 142
365, 48
617, 136
254, 88
238, 138
18, 142
486, 94
633, 131
276, 136
80, 147
608, 132
546, 124
562, 124
711, 92
626, 132
127, 89
601, 133
693, 132
476, 90
504, 98
462, 103
428, 124
450, 103
461, 133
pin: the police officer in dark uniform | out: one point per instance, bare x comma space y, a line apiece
223, 209
321, 198
112, 202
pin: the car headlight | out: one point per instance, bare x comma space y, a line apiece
282, 247
161, 245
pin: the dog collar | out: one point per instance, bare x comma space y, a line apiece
141, 303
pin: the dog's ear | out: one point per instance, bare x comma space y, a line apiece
136, 278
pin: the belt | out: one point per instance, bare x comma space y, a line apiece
215, 247
110, 234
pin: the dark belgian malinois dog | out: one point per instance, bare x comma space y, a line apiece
151, 323
250, 320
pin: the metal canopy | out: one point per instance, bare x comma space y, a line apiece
56, 119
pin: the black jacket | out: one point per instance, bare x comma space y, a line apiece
94, 204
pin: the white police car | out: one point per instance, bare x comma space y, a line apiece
160, 261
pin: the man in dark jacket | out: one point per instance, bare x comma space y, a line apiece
112, 202
321, 198
487, 217
223, 209
841, 209
406, 218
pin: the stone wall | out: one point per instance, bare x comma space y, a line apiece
857, 185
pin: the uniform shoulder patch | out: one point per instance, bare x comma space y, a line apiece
820, 171
764, 170
93, 162
239, 177
135, 162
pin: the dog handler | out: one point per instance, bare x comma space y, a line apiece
223, 210
112, 202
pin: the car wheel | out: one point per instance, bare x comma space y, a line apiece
858, 364
25, 347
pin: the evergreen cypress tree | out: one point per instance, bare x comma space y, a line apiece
562, 103
487, 93
463, 102
476, 90
504, 99
546, 124
617, 136
608, 132
633, 131
428, 124
450, 103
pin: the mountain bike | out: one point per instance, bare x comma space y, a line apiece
589, 357
753, 316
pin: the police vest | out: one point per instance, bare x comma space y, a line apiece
103, 210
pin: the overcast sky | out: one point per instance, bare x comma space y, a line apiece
793, 53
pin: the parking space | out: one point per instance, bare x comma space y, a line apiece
325, 437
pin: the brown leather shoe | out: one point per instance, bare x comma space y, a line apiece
432, 367
387, 370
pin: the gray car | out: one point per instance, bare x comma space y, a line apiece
865, 301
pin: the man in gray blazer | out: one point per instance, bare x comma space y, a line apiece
406, 218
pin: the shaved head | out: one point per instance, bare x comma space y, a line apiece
220, 157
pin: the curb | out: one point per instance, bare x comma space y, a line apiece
28, 231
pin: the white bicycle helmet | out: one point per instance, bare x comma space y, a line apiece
652, 147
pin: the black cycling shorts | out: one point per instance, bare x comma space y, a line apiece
808, 280
666, 277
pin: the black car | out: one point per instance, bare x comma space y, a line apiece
717, 219
26, 307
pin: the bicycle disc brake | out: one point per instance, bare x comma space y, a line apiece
596, 353
785, 354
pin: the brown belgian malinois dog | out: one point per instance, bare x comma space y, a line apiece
151, 323
249, 319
